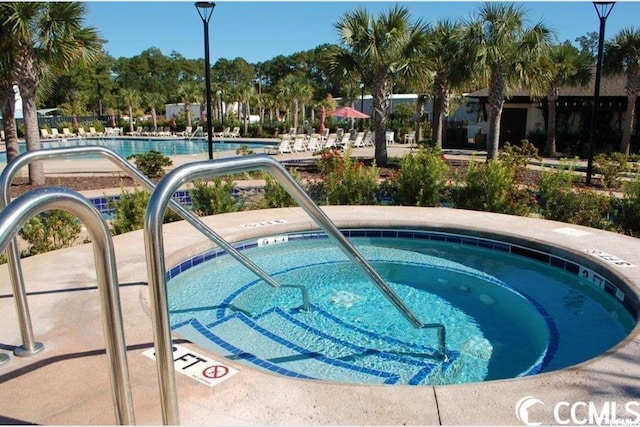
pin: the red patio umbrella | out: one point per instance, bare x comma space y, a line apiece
348, 113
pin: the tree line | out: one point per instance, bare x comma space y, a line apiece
56, 61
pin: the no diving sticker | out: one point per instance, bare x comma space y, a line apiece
201, 368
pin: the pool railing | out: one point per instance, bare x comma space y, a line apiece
156, 268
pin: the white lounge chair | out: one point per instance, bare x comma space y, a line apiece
67, 133
55, 133
359, 141
282, 148
332, 141
235, 133
44, 134
300, 143
314, 143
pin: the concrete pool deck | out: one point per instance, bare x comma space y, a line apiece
68, 382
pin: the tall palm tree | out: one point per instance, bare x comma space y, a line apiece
377, 51
565, 66
247, 95
295, 90
350, 93
153, 101
131, 98
7, 83
190, 93
622, 54
451, 57
507, 57
49, 39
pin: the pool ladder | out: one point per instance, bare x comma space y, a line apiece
13, 217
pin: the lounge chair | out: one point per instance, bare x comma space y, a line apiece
81, 132
283, 148
225, 133
314, 143
54, 133
235, 133
332, 141
44, 134
300, 144
359, 141
93, 132
67, 133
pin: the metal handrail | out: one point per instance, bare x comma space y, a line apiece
154, 248
16, 214
29, 345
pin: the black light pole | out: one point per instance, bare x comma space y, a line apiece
603, 9
205, 10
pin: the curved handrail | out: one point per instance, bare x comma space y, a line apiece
13, 217
154, 248
30, 346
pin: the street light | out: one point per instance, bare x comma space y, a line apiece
361, 103
205, 10
603, 9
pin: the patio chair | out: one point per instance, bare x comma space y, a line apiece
299, 144
359, 141
93, 132
283, 148
314, 143
67, 133
410, 138
235, 133
44, 134
331, 141
81, 132
54, 133
388, 136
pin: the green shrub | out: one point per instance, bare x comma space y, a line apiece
611, 168
151, 164
346, 181
492, 187
51, 230
244, 150
628, 217
560, 200
213, 199
129, 210
275, 196
420, 180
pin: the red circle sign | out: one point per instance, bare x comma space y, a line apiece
215, 371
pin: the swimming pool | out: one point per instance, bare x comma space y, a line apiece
128, 146
506, 315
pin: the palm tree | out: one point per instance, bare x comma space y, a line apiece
247, 94
350, 93
7, 91
377, 51
507, 57
153, 101
622, 54
565, 66
294, 89
189, 92
49, 39
451, 57
131, 98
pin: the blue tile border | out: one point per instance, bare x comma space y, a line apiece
481, 242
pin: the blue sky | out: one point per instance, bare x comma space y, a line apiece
259, 31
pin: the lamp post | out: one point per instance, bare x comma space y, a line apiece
205, 10
361, 103
603, 9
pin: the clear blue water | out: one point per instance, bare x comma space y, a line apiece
505, 315
128, 146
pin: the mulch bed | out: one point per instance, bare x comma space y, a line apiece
81, 183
